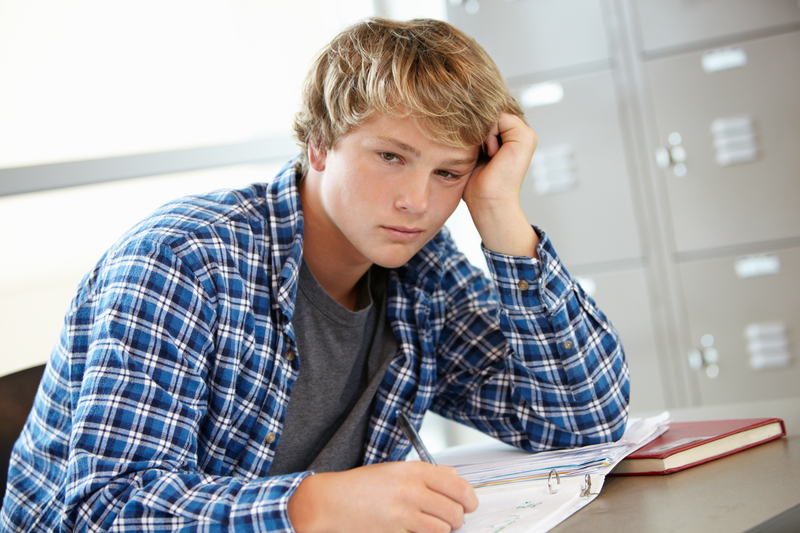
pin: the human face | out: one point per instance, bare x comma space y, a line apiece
386, 189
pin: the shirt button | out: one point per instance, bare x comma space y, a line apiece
568, 345
270, 438
523, 285
289, 355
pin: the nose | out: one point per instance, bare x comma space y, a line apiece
413, 194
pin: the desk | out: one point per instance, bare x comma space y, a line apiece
734, 493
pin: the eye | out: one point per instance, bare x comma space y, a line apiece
390, 157
446, 174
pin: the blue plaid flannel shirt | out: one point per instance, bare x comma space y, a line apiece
162, 403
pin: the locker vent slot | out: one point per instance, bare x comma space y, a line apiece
553, 169
768, 345
735, 140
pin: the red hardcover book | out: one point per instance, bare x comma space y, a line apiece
686, 444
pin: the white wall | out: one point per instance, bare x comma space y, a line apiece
90, 78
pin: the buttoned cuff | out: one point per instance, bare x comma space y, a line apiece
526, 282
264, 503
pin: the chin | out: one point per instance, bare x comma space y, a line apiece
393, 260
396, 263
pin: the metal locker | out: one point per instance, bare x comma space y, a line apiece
667, 25
729, 141
623, 298
532, 36
578, 187
744, 316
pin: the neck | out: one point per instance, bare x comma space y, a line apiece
324, 247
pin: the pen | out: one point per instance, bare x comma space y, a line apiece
412, 435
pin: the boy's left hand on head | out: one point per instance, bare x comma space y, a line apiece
492, 193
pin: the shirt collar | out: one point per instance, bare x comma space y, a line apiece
285, 213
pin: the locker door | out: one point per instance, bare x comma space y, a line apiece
738, 130
670, 24
623, 298
751, 323
535, 35
578, 187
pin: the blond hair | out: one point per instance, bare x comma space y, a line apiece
425, 69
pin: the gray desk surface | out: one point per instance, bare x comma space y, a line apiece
731, 494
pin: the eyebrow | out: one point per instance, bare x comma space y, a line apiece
408, 148
400, 144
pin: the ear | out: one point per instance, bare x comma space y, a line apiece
316, 156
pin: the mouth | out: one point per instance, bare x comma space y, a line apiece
403, 233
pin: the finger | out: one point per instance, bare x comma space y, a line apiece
456, 488
424, 523
444, 509
492, 142
512, 128
449, 469
520, 139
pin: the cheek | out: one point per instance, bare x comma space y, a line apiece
367, 190
339, 186
352, 199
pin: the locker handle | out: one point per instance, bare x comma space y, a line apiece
673, 156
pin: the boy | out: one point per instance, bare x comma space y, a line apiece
237, 360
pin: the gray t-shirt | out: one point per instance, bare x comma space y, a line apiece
343, 358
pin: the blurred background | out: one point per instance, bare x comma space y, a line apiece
667, 173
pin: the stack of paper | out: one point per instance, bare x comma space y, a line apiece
520, 491
498, 464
